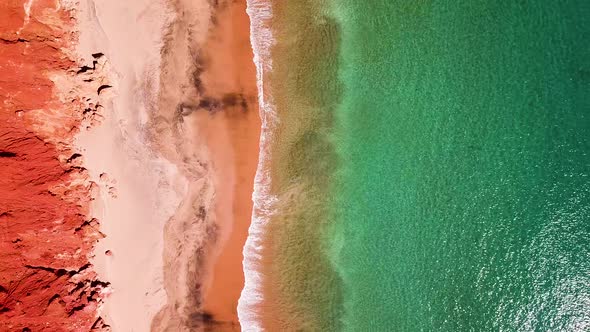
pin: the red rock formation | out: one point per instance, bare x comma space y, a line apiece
46, 280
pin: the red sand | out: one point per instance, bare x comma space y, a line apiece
232, 69
46, 281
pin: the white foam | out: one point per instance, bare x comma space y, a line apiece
260, 12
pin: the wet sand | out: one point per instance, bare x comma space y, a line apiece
232, 69
207, 123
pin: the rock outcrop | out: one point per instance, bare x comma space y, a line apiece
46, 232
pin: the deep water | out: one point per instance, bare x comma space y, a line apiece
461, 200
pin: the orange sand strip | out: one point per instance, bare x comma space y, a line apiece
232, 69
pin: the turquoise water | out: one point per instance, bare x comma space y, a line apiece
462, 199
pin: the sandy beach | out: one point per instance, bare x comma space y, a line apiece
208, 111
138, 189
232, 69
173, 157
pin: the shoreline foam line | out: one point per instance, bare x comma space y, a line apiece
260, 12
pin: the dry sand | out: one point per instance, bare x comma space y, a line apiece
139, 190
174, 158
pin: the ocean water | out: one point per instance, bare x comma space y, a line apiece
291, 284
463, 197
426, 167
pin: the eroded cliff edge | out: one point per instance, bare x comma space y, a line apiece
47, 282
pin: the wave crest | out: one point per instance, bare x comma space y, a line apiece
261, 39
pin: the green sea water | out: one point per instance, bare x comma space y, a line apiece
462, 201
431, 166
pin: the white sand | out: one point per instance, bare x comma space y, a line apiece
146, 189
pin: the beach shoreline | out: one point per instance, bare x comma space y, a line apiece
208, 111
232, 76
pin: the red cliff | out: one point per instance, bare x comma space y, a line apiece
46, 234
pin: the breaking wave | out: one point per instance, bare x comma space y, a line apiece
261, 39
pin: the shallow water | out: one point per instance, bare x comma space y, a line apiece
430, 166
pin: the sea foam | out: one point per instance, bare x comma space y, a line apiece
261, 39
